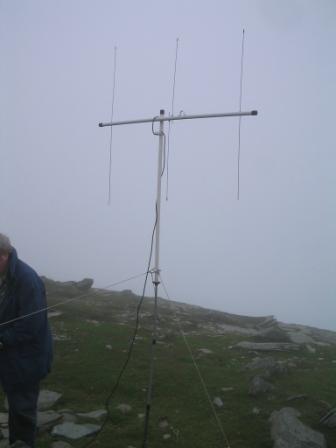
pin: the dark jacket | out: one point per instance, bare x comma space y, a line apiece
27, 343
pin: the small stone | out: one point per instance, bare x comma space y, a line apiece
166, 436
256, 411
52, 314
205, 351
163, 423
218, 402
296, 397
227, 389
96, 415
124, 408
108, 346
141, 415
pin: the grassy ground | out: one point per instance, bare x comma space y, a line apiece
85, 370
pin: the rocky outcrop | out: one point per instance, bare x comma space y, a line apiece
67, 289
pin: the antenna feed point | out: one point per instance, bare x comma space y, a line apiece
162, 112
100, 125
254, 112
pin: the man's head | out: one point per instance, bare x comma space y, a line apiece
5, 251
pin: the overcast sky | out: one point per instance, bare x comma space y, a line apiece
271, 252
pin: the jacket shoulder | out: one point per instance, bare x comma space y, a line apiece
27, 275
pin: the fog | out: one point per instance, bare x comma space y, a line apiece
271, 252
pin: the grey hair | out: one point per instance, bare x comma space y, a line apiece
5, 244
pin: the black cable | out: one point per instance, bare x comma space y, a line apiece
131, 346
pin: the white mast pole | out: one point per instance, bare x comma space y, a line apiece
156, 279
158, 201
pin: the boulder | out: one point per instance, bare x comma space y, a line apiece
287, 431
74, 431
47, 399
47, 419
259, 386
268, 365
67, 289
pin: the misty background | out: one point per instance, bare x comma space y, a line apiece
271, 252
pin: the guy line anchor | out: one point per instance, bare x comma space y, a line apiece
156, 270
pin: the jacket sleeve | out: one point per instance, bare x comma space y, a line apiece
30, 299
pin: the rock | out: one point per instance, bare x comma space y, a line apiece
141, 415
74, 431
68, 417
268, 346
227, 389
205, 351
108, 346
124, 408
166, 436
297, 397
310, 348
60, 444
52, 314
19, 444
47, 419
96, 415
163, 423
4, 433
67, 289
218, 402
259, 386
288, 432
47, 399
256, 411
329, 419
298, 337
3, 418
269, 366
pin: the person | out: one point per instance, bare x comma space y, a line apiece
25, 343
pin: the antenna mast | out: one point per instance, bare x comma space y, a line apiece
156, 270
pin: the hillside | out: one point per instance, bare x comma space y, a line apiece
251, 366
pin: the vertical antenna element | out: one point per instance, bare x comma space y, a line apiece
111, 133
240, 108
172, 113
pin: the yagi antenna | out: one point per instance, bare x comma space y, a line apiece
156, 270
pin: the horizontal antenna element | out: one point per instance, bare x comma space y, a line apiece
179, 117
